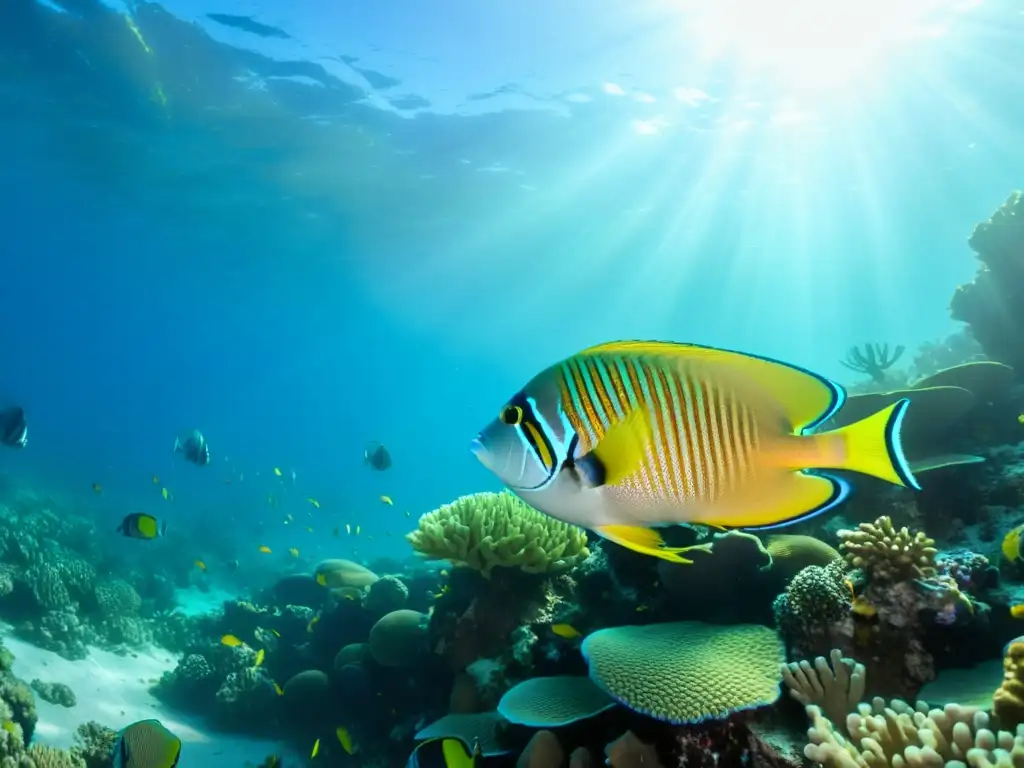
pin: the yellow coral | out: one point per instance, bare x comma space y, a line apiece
1008, 701
484, 530
894, 734
887, 554
686, 671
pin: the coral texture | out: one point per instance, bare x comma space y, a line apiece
551, 702
686, 672
485, 530
887, 554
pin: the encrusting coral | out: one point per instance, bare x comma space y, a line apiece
486, 530
887, 554
884, 734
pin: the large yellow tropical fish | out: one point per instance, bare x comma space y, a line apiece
632, 435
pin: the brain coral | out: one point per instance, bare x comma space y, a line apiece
398, 639
550, 702
484, 530
686, 672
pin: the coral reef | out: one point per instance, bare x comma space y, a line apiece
1008, 700
887, 554
552, 702
991, 305
54, 693
487, 530
686, 672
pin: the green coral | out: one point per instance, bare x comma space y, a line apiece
686, 672
487, 530
551, 702
54, 693
94, 743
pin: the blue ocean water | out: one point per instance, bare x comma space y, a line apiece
302, 226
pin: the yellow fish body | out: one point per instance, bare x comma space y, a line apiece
294, 551
265, 549
344, 738
231, 641
1011, 544
568, 631
316, 748
1017, 611
260, 655
387, 500
628, 436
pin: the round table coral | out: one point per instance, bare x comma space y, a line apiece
687, 672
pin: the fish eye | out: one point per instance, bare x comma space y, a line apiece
511, 415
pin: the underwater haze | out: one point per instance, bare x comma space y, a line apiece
306, 229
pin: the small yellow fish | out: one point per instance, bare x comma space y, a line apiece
309, 529
200, 565
156, 480
314, 502
1020, 419
97, 488
265, 549
568, 631
441, 592
275, 633
444, 572
294, 551
260, 654
387, 500
231, 641
642, 608
321, 580
278, 690
165, 493
348, 528
316, 748
1017, 611
312, 623
277, 471
1011, 544
344, 738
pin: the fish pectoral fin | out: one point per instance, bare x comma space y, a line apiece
620, 453
647, 541
783, 499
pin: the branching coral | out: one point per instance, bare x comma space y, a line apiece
485, 530
836, 689
895, 734
887, 554
874, 360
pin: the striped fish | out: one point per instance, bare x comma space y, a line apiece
146, 744
629, 436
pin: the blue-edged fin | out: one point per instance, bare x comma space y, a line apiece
945, 460
788, 498
872, 446
806, 398
648, 542
620, 453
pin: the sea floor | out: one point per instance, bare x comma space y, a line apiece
114, 691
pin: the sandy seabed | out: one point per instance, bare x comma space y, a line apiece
114, 691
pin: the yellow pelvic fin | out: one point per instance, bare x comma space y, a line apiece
872, 446
647, 541
623, 449
455, 754
805, 397
776, 500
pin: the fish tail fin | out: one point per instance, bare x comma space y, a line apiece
647, 541
872, 446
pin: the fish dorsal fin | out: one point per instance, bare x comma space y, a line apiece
806, 398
